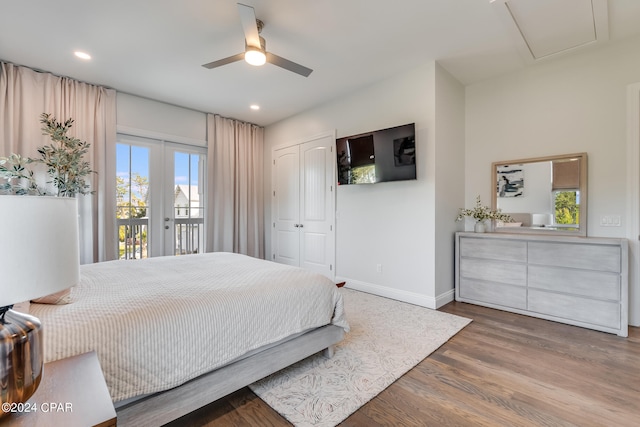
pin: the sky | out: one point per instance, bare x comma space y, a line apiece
140, 163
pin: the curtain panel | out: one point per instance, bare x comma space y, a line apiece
235, 218
24, 95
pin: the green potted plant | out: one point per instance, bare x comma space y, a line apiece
19, 179
481, 214
63, 159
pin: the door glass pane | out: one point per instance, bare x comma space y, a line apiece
132, 187
188, 203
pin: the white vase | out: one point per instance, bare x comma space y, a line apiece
479, 227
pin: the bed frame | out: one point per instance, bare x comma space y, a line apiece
161, 408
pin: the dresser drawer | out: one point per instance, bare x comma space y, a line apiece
594, 284
586, 256
595, 312
493, 271
505, 250
494, 293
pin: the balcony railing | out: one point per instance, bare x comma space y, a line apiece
132, 237
189, 235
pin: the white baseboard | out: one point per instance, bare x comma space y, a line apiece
397, 294
445, 298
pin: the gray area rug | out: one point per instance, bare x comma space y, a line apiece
387, 339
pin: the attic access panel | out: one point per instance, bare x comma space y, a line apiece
548, 28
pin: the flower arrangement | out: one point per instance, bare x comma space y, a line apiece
483, 213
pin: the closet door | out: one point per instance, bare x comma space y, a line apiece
316, 206
304, 205
286, 206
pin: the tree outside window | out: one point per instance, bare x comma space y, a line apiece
132, 198
567, 207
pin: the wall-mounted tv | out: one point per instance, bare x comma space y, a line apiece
378, 156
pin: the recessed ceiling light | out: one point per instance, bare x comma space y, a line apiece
254, 107
82, 55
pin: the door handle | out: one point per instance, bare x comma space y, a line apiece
301, 225
296, 225
167, 219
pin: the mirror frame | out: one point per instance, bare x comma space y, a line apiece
582, 227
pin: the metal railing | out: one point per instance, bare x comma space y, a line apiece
133, 237
189, 235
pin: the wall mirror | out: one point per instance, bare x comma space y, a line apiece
542, 195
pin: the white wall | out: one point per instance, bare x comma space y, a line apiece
153, 119
569, 105
448, 163
392, 224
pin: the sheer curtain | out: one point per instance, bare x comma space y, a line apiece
24, 95
235, 218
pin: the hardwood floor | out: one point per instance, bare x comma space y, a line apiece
503, 369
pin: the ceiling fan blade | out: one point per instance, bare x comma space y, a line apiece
224, 61
288, 65
249, 25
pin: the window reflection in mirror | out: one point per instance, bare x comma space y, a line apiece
567, 208
545, 194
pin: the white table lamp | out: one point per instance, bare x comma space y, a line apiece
39, 256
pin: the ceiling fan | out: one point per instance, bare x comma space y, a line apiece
255, 46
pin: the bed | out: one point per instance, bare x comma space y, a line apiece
175, 333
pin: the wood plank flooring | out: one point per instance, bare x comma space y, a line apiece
503, 369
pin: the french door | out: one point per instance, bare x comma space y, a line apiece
160, 198
184, 208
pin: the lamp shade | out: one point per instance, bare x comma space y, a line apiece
39, 250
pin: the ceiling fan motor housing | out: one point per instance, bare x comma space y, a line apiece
262, 47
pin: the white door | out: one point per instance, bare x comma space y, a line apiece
184, 200
304, 205
160, 198
133, 159
316, 218
286, 206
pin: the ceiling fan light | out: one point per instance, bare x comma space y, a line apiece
255, 56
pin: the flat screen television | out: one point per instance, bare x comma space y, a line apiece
379, 156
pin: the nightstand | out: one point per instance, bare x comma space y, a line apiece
72, 393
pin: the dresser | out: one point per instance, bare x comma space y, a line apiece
581, 281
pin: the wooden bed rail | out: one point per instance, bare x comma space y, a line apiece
161, 408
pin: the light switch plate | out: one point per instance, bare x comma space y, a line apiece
610, 221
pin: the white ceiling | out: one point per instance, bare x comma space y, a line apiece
155, 48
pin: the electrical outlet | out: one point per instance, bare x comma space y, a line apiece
378, 268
